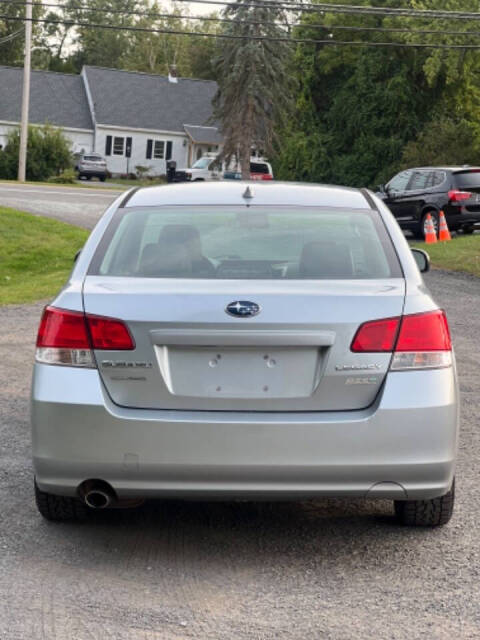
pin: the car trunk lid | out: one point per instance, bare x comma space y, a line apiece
294, 355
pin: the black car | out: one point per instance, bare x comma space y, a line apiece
414, 193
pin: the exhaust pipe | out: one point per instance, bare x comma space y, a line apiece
97, 494
97, 499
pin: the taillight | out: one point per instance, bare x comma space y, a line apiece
68, 337
419, 341
63, 329
454, 195
424, 332
110, 334
423, 342
376, 336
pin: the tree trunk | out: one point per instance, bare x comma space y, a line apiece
245, 161
246, 143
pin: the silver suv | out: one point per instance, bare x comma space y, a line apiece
243, 340
90, 166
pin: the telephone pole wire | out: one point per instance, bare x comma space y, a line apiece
22, 156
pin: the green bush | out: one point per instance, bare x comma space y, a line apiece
48, 154
66, 177
443, 141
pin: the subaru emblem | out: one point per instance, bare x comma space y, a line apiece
242, 309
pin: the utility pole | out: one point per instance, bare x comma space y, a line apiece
22, 156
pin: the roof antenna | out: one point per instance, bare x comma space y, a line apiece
247, 194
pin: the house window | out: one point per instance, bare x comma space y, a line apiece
159, 149
156, 149
118, 144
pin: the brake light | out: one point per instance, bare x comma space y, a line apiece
63, 329
424, 332
261, 176
419, 341
376, 336
110, 334
68, 337
454, 195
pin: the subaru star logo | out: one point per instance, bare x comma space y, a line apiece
243, 309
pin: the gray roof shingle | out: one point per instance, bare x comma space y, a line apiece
204, 135
57, 98
144, 101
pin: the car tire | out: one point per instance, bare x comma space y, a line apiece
426, 513
88, 177
59, 508
436, 224
468, 229
103, 178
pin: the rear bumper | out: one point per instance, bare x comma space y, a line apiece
402, 447
456, 219
95, 173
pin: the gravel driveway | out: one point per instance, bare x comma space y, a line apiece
330, 570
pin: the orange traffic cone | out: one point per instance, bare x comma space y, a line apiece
443, 233
430, 235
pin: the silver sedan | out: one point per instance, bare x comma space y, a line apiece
252, 341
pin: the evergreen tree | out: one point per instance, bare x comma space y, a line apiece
254, 80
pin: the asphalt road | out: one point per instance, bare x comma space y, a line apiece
76, 205
331, 569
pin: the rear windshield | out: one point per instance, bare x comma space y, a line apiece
259, 167
92, 158
245, 243
467, 179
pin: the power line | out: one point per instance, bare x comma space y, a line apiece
303, 7
251, 22
11, 36
350, 9
355, 43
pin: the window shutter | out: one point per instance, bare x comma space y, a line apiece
169, 150
128, 148
149, 149
108, 146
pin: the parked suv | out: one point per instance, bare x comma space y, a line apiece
91, 165
414, 193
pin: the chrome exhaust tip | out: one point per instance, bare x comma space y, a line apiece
97, 494
97, 499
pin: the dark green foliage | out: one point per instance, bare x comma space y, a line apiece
443, 141
364, 113
48, 154
354, 118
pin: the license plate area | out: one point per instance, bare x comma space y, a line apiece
240, 372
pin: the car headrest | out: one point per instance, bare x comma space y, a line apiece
321, 259
179, 233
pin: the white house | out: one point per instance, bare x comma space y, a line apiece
132, 119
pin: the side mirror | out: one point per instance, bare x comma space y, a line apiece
422, 259
76, 255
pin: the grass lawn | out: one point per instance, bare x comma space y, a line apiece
128, 182
462, 253
36, 255
82, 185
